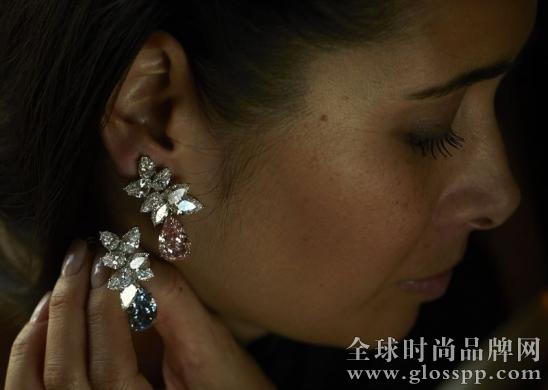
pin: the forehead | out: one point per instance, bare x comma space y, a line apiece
473, 32
443, 38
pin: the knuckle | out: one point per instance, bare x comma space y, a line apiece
20, 345
59, 302
56, 378
103, 375
100, 368
116, 384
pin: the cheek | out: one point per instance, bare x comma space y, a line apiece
319, 237
341, 220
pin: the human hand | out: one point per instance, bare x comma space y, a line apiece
79, 338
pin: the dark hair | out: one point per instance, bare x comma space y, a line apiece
61, 60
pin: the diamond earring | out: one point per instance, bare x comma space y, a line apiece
131, 267
164, 203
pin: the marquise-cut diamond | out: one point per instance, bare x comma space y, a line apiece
160, 214
120, 279
146, 167
152, 202
176, 193
144, 274
109, 240
161, 179
114, 260
139, 188
130, 240
139, 260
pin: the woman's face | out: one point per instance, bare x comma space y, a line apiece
342, 208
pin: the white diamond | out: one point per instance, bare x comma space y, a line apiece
159, 215
176, 192
144, 274
113, 260
139, 188
188, 205
146, 167
130, 240
161, 179
152, 202
139, 260
120, 279
127, 295
109, 240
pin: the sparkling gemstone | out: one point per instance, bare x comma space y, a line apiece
161, 179
109, 240
146, 167
120, 279
142, 310
140, 266
127, 295
188, 205
173, 241
152, 202
113, 260
176, 193
130, 240
139, 188
159, 215
139, 260
144, 274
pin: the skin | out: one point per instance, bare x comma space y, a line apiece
340, 208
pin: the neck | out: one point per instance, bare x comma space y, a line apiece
244, 332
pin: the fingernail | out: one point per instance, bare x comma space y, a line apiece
40, 312
75, 258
99, 274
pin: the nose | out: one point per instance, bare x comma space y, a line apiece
479, 202
497, 208
482, 192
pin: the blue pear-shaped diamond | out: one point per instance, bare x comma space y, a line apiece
142, 310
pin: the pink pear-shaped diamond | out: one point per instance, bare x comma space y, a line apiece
173, 241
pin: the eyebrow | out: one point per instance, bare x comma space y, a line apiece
462, 80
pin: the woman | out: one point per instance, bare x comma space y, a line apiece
343, 151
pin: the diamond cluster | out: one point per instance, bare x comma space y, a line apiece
131, 267
161, 199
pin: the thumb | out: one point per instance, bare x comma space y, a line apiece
200, 351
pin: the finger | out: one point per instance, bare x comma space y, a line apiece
65, 363
181, 315
113, 362
26, 361
199, 349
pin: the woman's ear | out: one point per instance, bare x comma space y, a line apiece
155, 111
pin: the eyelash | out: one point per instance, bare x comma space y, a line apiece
439, 143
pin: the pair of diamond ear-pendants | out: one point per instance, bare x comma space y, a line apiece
164, 202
